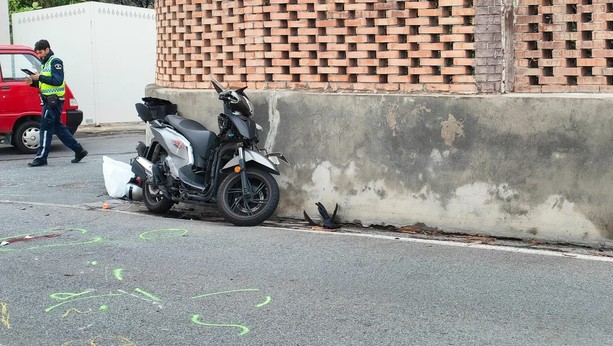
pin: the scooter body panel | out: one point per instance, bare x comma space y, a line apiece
179, 149
244, 125
254, 157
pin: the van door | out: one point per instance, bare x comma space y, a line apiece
16, 97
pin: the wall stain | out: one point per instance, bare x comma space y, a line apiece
450, 129
391, 119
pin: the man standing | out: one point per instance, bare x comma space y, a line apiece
52, 88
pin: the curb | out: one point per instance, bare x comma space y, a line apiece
110, 128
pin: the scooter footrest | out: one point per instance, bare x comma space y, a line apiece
188, 177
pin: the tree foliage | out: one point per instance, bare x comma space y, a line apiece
135, 3
21, 6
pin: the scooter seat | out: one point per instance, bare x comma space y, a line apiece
182, 124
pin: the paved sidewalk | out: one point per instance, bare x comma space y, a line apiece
110, 128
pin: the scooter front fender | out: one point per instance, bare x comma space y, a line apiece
255, 157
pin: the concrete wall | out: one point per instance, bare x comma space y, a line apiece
519, 166
108, 51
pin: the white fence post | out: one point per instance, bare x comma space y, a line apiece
5, 37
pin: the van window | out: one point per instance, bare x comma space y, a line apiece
11, 65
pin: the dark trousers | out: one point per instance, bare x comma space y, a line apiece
51, 123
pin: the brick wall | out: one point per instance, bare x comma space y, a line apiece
398, 46
461, 46
564, 45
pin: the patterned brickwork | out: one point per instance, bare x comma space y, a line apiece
564, 45
374, 45
489, 62
388, 45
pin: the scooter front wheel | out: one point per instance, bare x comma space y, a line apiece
251, 208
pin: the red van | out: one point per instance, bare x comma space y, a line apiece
20, 104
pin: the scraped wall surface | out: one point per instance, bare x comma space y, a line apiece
509, 165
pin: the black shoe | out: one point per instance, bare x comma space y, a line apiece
79, 156
37, 162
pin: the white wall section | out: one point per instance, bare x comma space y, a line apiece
5, 37
108, 51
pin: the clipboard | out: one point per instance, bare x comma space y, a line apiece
26, 71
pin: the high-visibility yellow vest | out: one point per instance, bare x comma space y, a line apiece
47, 89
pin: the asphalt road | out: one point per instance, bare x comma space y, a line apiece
74, 273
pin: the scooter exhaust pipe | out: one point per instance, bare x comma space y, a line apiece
146, 170
134, 192
142, 168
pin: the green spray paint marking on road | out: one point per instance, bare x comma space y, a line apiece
118, 274
244, 330
223, 292
65, 296
147, 294
85, 298
163, 233
196, 319
266, 301
93, 263
70, 297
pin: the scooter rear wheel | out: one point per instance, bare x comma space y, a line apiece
155, 200
153, 197
252, 210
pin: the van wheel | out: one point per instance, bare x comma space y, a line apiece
27, 137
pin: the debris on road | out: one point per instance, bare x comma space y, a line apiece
117, 175
327, 220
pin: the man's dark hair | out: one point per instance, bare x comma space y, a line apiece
42, 45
